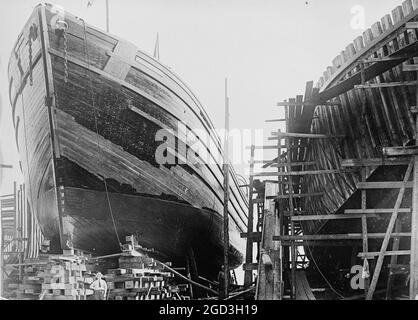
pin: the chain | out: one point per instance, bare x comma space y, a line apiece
65, 56
63, 27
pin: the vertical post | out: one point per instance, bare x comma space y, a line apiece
1, 253
248, 275
107, 17
413, 290
280, 221
19, 231
226, 190
291, 209
364, 226
394, 217
189, 276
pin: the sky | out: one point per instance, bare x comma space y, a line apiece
268, 50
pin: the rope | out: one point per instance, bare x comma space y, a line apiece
26, 148
97, 129
323, 276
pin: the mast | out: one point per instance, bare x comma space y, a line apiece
226, 192
107, 17
157, 48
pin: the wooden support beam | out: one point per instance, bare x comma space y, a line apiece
306, 104
348, 236
400, 151
413, 285
275, 148
253, 236
385, 85
296, 195
248, 276
275, 120
294, 164
384, 185
371, 255
348, 163
375, 211
412, 25
337, 243
334, 217
386, 59
364, 228
388, 235
302, 136
393, 261
299, 173
250, 266
410, 67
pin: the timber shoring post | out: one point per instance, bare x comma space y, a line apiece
189, 275
413, 290
393, 261
248, 275
391, 225
226, 193
280, 218
291, 209
1, 254
364, 226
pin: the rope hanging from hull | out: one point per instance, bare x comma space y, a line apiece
97, 129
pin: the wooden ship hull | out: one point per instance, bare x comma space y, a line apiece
87, 107
363, 119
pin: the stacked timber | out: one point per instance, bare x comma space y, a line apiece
140, 277
54, 277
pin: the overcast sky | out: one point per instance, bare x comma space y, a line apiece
267, 48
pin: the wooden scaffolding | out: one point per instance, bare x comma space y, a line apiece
293, 166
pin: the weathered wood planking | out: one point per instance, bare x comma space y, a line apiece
103, 122
159, 94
